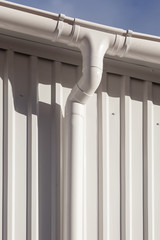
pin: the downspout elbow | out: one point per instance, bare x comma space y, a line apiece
93, 46
86, 86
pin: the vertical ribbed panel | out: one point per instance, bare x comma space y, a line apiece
136, 137
57, 181
113, 156
2, 61
44, 147
32, 156
129, 114
31, 129
20, 82
127, 161
121, 162
9, 150
156, 159
91, 176
149, 220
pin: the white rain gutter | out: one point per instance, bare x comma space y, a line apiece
94, 41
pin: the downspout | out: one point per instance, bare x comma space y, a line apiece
93, 46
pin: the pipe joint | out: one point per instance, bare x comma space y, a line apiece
90, 80
75, 108
87, 85
78, 95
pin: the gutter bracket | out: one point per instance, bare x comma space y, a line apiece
59, 28
121, 44
75, 32
127, 43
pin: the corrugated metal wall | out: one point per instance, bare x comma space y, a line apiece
122, 153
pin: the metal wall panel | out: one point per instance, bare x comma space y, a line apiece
129, 158
122, 163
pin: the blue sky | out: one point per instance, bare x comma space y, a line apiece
137, 15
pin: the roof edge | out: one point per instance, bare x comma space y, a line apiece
80, 22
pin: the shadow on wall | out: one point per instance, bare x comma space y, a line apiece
49, 169
33, 85
26, 74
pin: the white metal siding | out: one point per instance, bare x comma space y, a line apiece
122, 154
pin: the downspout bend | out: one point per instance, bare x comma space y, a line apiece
93, 46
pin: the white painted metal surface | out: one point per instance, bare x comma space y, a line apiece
121, 167
115, 190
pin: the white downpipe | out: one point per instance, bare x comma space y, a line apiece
73, 173
93, 48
